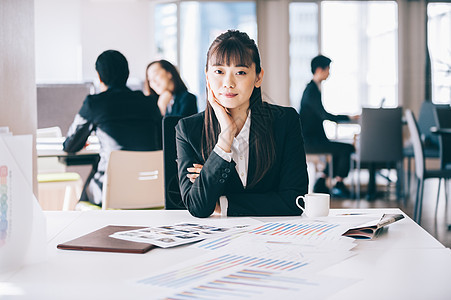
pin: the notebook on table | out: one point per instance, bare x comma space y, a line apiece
100, 240
371, 229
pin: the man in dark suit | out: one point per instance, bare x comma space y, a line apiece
313, 115
122, 120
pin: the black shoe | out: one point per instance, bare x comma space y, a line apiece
320, 186
340, 191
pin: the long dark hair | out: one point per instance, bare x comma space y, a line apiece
179, 85
235, 47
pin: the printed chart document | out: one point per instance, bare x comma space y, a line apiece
176, 234
373, 228
269, 260
230, 276
308, 235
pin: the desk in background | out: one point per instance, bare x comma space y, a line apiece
53, 147
52, 159
403, 263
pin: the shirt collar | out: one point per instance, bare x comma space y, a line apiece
243, 136
244, 133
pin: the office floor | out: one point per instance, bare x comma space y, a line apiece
436, 226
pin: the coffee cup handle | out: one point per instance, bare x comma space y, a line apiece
297, 203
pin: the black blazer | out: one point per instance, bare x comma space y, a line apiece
185, 104
313, 114
273, 195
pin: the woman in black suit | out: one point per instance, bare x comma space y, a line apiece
163, 83
241, 156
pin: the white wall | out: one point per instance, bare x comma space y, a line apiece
118, 25
73, 33
58, 40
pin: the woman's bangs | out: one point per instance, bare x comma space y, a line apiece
230, 53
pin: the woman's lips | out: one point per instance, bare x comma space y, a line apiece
229, 95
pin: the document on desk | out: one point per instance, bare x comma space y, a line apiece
179, 234
311, 235
273, 259
225, 275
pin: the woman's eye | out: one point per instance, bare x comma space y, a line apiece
218, 72
241, 73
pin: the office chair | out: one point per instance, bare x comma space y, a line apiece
173, 198
443, 120
134, 180
420, 166
430, 141
380, 140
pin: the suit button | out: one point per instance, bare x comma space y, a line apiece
221, 180
224, 175
227, 170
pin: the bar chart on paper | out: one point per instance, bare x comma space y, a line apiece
309, 232
246, 283
313, 229
214, 244
179, 278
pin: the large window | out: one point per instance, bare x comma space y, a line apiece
439, 45
198, 26
303, 47
361, 39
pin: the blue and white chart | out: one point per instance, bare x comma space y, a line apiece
278, 259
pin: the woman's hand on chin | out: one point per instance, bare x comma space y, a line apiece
226, 122
163, 101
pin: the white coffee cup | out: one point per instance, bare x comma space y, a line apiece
316, 204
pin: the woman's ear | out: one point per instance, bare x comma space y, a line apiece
259, 80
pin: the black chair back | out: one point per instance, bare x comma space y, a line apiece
173, 199
426, 119
381, 135
443, 120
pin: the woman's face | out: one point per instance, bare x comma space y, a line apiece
159, 79
233, 85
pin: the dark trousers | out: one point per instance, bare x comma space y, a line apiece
341, 155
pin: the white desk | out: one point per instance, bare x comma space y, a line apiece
53, 147
403, 263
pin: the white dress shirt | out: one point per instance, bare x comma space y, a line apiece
240, 155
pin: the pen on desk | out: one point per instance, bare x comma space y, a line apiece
352, 214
